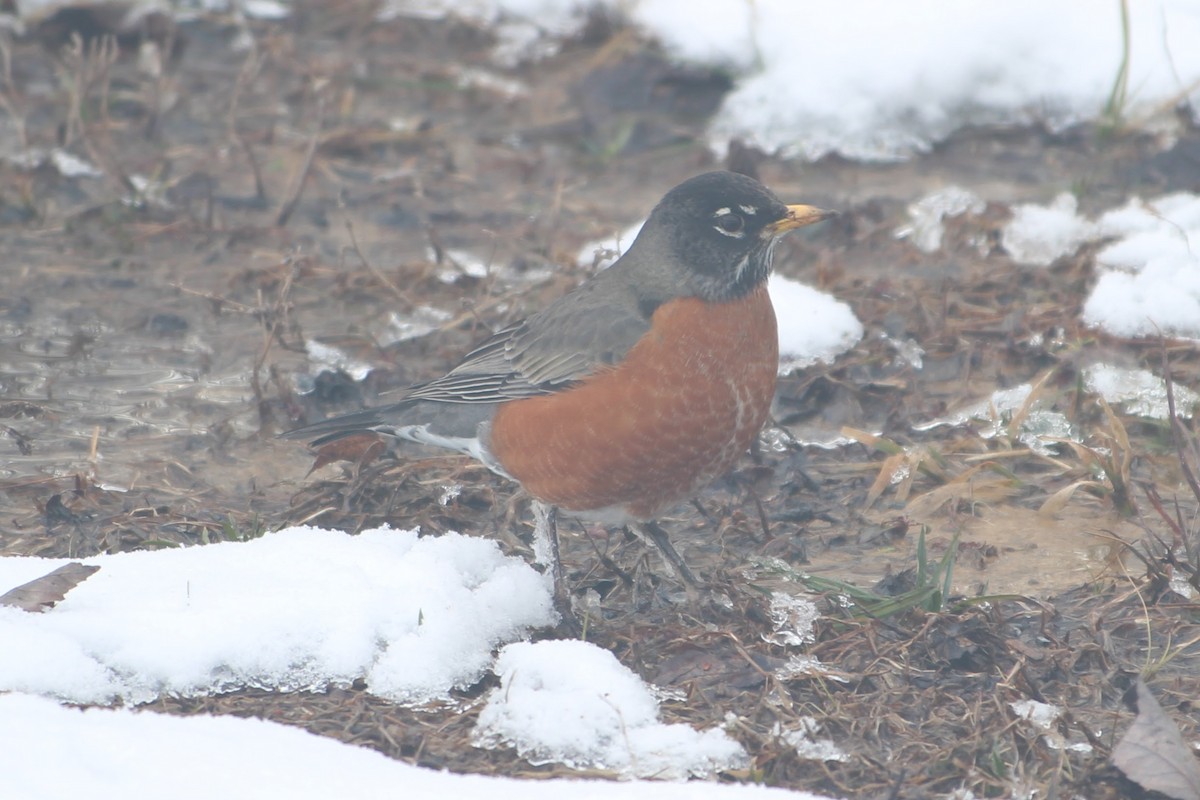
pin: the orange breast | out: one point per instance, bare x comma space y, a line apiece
647, 434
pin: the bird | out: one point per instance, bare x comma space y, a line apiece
629, 394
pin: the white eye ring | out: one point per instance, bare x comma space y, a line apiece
730, 224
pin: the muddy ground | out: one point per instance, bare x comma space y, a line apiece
314, 179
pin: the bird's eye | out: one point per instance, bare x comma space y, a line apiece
730, 223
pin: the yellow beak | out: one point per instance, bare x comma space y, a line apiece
797, 217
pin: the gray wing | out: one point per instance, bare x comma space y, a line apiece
584, 332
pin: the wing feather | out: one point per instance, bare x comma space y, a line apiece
583, 333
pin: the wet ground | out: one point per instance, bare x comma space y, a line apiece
330, 179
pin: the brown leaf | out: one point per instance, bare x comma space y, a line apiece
42, 593
884, 479
361, 448
715, 665
1059, 500
1152, 752
972, 484
1018, 419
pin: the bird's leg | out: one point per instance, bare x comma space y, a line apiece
651, 531
545, 553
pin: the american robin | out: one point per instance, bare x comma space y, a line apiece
631, 393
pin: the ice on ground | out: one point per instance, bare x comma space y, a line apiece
927, 216
804, 741
67, 164
323, 356
806, 666
908, 352
999, 403
488, 81
793, 618
572, 703
421, 321
780, 440
263, 9
1040, 429
462, 262
301, 609
1043, 718
1042, 715
115, 754
1139, 391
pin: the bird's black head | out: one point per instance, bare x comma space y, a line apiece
717, 232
